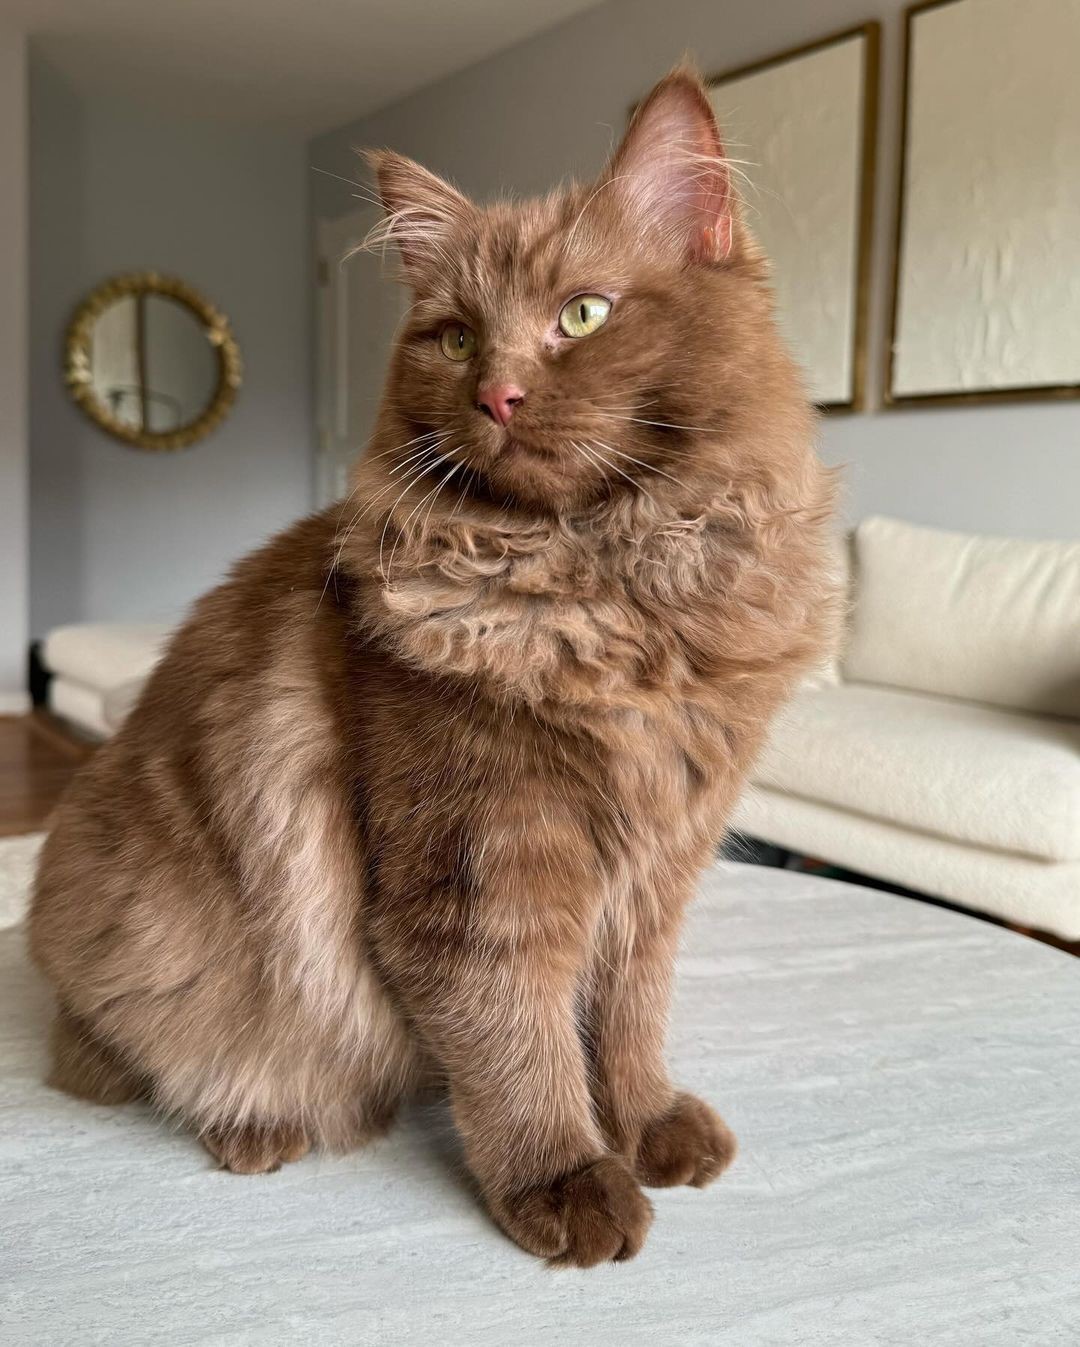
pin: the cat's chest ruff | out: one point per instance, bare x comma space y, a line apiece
561, 622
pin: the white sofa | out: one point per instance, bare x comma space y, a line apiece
944, 752
98, 670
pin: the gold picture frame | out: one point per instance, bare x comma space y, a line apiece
870, 32
970, 397
78, 375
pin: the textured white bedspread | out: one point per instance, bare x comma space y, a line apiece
904, 1081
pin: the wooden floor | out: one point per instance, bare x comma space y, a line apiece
37, 760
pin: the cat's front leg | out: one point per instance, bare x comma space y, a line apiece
669, 1136
490, 982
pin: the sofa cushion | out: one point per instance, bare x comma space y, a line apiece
992, 620
119, 702
103, 655
80, 705
979, 775
828, 672
1021, 889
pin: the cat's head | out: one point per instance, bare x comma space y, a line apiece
591, 342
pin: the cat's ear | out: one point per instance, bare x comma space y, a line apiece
672, 171
422, 211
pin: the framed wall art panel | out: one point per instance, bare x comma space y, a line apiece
986, 292
803, 124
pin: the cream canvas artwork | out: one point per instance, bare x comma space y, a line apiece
988, 279
798, 126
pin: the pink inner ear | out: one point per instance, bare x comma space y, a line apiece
714, 242
673, 158
711, 187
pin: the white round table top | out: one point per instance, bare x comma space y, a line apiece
904, 1082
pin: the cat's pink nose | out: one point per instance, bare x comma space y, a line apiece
499, 401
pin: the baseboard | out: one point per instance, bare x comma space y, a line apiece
14, 703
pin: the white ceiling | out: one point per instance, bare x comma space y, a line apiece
306, 65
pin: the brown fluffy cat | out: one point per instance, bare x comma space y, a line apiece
423, 789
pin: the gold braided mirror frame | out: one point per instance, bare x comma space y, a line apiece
78, 373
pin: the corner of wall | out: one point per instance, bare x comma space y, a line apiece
14, 450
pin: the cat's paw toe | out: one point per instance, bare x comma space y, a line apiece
597, 1214
255, 1148
689, 1144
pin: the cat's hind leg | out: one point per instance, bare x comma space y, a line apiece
85, 1066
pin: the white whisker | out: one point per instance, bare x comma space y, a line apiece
425, 467
364, 193
426, 435
427, 449
594, 453
433, 495
670, 425
640, 462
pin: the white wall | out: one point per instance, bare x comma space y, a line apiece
117, 533
555, 104
14, 594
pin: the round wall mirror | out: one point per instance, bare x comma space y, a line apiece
151, 362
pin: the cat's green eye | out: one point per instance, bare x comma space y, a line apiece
457, 342
583, 314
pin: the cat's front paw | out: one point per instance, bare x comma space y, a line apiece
597, 1214
689, 1144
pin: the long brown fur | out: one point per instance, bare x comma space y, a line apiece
423, 789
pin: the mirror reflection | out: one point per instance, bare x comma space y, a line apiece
152, 363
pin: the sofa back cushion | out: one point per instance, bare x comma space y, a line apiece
102, 655
992, 620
